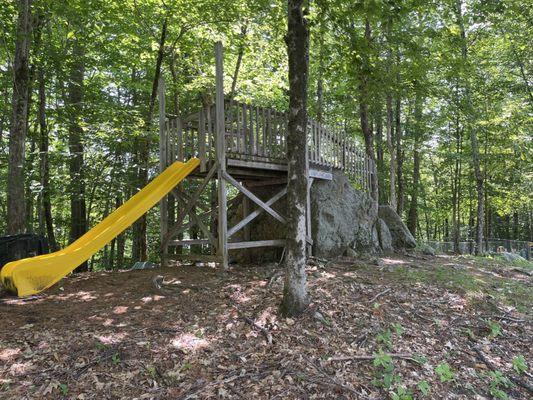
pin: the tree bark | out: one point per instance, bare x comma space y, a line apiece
399, 158
472, 130
295, 298
363, 114
244, 28
412, 220
74, 105
139, 249
16, 213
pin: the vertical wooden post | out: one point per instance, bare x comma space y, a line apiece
221, 158
163, 162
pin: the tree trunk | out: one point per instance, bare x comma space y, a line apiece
412, 220
139, 249
399, 158
295, 299
379, 155
473, 134
74, 103
456, 188
45, 205
364, 96
244, 28
16, 213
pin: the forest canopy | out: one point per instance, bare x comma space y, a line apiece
431, 75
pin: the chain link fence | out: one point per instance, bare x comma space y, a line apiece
520, 247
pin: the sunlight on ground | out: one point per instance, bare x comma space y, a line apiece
187, 342
113, 338
393, 261
8, 354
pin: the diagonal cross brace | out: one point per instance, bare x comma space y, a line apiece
189, 207
245, 221
254, 198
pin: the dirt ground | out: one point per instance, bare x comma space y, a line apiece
398, 327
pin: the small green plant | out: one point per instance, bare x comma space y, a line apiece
424, 387
386, 373
152, 371
444, 372
63, 388
420, 359
185, 367
519, 364
116, 358
401, 393
497, 381
398, 329
495, 329
385, 338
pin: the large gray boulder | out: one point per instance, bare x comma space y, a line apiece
342, 217
384, 235
401, 237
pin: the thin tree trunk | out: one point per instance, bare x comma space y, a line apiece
379, 154
399, 158
45, 206
473, 134
139, 249
364, 96
456, 192
244, 28
121, 240
74, 103
16, 213
295, 298
412, 220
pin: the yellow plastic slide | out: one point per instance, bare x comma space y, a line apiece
32, 275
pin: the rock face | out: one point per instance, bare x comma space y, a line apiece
384, 235
401, 237
341, 218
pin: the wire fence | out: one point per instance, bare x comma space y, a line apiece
520, 247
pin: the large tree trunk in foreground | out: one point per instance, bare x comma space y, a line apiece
139, 250
295, 298
16, 213
473, 133
74, 103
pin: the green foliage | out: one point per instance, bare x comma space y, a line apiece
497, 382
495, 329
385, 338
424, 387
519, 364
444, 372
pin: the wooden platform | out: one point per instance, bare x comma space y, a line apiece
243, 146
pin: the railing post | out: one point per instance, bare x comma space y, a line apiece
221, 158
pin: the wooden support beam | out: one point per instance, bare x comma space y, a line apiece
254, 198
188, 242
256, 243
247, 219
221, 157
193, 257
189, 206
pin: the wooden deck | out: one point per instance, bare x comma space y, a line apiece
243, 146
256, 138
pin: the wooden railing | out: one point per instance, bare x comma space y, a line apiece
260, 134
